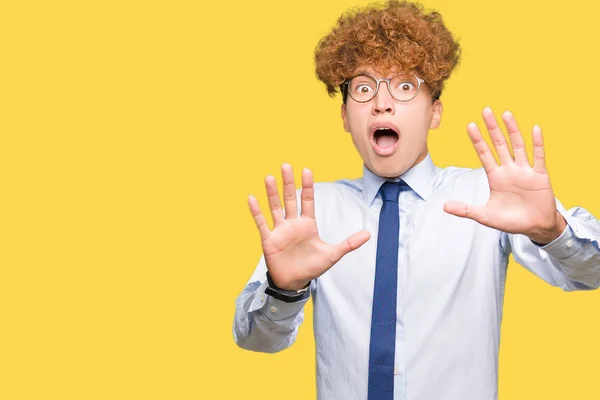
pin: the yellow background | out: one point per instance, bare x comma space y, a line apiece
132, 133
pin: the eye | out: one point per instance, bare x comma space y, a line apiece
364, 89
406, 86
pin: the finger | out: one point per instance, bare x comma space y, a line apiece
539, 156
464, 210
307, 197
274, 201
259, 218
516, 139
289, 191
352, 243
497, 137
485, 154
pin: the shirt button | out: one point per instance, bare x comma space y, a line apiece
569, 244
273, 309
395, 371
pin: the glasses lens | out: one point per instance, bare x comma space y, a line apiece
362, 88
404, 87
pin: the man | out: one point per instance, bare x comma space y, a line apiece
406, 266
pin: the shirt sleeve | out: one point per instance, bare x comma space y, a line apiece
263, 323
571, 261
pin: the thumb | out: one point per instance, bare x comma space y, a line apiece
464, 210
352, 243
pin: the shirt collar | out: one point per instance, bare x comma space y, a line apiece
419, 178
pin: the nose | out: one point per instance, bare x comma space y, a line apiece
383, 101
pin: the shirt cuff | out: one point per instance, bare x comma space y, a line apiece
565, 246
273, 308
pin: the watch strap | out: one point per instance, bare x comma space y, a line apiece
287, 296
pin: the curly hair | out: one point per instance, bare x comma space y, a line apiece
398, 35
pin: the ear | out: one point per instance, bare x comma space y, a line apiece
344, 115
436, 118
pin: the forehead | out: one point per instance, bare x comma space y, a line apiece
380, 71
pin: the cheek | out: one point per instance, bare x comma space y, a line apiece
356, 117
416, 123
350, 121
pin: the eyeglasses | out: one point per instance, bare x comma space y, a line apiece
403, 87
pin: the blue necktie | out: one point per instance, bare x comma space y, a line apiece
383, 323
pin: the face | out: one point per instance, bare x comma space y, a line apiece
391, 136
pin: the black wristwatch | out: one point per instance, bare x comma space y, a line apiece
288, 296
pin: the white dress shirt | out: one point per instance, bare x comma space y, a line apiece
451, 279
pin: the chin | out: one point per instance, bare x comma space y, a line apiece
388, 169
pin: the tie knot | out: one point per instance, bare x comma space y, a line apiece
390, 190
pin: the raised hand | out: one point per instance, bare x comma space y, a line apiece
521, 197
294, 252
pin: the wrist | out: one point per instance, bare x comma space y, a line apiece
296, 286
548, 236
287, 295
290, 286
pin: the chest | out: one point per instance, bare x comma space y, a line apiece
439, 255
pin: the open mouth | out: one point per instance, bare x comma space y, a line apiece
385, 137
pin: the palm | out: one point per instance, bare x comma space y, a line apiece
294, 252
295, 246
521, 197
